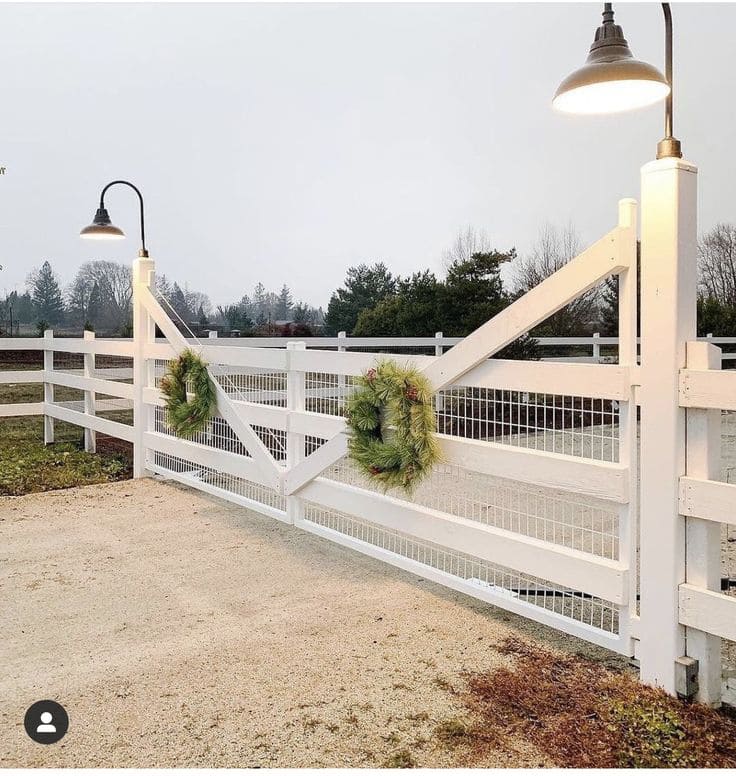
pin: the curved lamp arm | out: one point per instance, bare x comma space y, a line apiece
669, 145
143, 253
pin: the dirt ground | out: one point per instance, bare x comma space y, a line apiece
179, 630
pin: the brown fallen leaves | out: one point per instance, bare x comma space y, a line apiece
582, 715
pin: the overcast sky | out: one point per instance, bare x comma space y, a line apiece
283, 143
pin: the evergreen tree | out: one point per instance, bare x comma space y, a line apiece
259, 312
46, 294
284, 304
473, 292
414, 311
364, 288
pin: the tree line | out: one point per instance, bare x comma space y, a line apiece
100, 296
373, 302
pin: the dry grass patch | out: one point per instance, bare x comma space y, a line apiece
583, 715
401, 759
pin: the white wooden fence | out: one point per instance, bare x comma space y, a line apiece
602, 350
534, 508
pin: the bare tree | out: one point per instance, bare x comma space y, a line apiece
553, 248
115, 283
467, 242
717, 263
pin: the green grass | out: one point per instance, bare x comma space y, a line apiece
28, 466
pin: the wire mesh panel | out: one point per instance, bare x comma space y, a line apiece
580, 426
572, 425
251, 384
575, 605
219, 435
326, 392
312, 444
197, 475
586, 524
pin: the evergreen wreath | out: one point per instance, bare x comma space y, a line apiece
184, 416
400, 399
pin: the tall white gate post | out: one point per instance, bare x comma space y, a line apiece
143, 333
668, 321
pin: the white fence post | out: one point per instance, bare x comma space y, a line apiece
668, 322
439, 398
703, 537
48, 388
143, 334
341, 382
295, 402
90, 436
438, 349
597, 347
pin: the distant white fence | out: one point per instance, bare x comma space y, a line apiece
535, 507
602, 350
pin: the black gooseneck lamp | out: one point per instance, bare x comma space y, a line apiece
102, 228
611, 80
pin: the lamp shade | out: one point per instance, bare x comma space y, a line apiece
611, 80
102, 228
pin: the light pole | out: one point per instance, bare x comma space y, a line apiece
144, 331
672, 550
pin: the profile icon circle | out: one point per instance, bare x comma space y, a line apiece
46, 722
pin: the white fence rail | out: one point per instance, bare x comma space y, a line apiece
602, 350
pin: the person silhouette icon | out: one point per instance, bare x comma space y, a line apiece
46, 726
46, 722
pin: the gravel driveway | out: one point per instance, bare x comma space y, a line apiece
179, 630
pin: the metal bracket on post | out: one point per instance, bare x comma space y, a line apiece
686, 677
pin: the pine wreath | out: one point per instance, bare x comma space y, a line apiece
186, 417
400, 399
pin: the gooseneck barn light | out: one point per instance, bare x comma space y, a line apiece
611, 80
102, 228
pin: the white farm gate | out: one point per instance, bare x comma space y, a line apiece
535, 508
